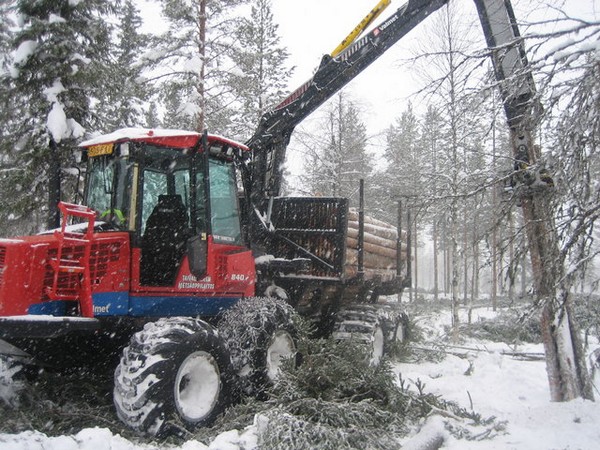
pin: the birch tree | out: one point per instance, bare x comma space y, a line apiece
572, 247
553, 281
432, 143
449, 77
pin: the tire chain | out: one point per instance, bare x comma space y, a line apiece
135, 377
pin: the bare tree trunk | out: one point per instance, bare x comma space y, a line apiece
475, 278
494, 243
475, 272
495, 268
416, 258
511, 257
523, 262
435, 262
465, 263
565, 362
501, 261
54, 180
446, 259
523, 278
202, 52
454, 263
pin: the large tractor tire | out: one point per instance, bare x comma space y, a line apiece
260, 333
363, 324
12, 381
175, 373
395, 324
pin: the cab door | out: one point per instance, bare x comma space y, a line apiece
233, 263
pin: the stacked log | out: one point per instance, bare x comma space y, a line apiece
380, 246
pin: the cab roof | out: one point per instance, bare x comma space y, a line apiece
165, 137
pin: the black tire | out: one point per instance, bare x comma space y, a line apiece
401, 333
362, 323
12, 381
175, 371
395, 324
259, 332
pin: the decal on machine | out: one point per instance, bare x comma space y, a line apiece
100, 149
191, 282
104, 309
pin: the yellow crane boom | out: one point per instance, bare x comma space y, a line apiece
368, 19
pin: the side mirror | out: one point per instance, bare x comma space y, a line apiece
197, 252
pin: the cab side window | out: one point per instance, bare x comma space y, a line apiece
155, 184
225, 217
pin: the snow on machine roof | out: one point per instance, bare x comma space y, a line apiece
166, 137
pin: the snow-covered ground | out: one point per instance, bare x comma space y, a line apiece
487, 381
512, 390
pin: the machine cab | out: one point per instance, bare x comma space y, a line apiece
175, 193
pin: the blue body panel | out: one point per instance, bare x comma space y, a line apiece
110, 304
55, 308
160, 306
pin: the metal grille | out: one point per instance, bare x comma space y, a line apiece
101, 255
312, 228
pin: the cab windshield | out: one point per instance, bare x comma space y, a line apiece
108, 190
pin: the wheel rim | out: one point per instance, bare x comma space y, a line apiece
400, 333
197, 386
378, 343
276, 292
281, 347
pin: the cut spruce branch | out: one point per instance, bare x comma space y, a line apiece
463, 352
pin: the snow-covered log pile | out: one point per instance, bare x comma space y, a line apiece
380, 248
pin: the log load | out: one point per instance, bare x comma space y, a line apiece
370, 274
380, 248
374, 223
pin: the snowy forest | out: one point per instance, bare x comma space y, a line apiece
73, 69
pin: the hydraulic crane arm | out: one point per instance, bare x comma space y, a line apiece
514, 77
509, 59
270, 140
272, 136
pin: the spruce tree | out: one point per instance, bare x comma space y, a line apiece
8, 111
259, 76
402, 177
60, 63
5, 48
183, 76
128, 95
